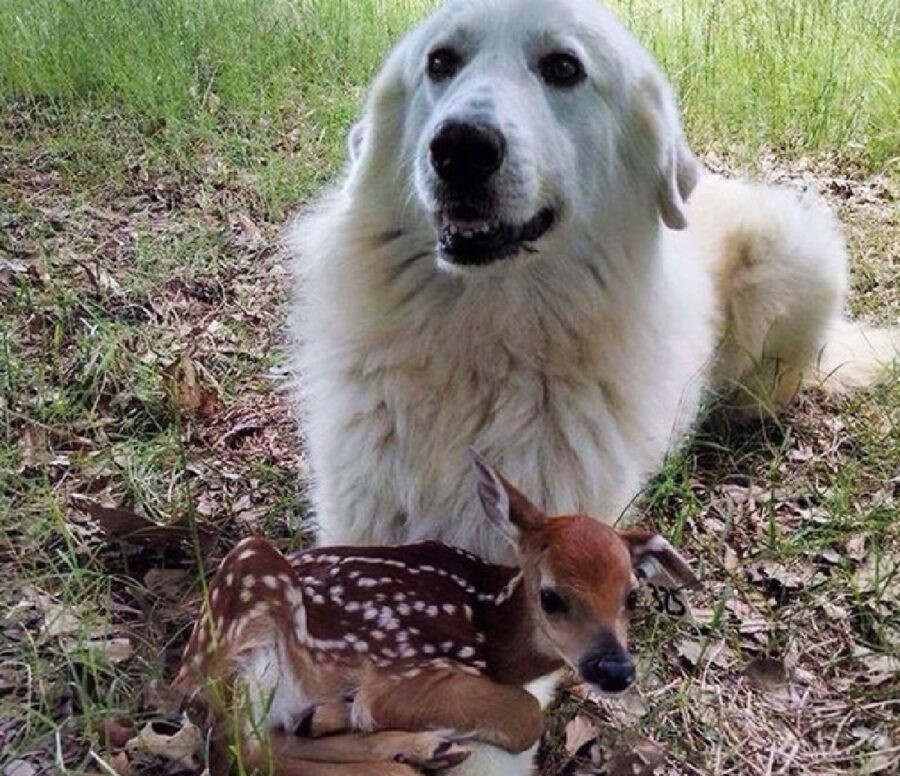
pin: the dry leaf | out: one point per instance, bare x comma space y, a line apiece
699, 654
116, 650
64, 622
730, 560
116, 731
579, 731
162, 698
180, 746
190, 396
636, 757
19, 768
124, 525
167, 583
766, 673
121, 763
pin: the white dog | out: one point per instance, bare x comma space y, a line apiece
511, 262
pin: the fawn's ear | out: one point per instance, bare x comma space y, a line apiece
504, 505
650, 552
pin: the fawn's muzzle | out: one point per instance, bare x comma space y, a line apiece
610, 668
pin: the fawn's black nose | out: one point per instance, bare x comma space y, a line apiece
464, 153
609, 674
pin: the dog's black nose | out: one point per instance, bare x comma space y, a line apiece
463, 153
610, 675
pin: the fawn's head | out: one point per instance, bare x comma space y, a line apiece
581, 577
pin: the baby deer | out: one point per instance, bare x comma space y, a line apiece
420, 637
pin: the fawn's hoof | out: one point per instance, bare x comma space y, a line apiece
430, 751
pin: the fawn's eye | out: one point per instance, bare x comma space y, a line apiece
561, 69
552, 602
443, 63
631, 601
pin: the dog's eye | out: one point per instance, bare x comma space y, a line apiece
443, 63
552, 602
561, 69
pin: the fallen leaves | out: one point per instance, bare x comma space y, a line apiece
192, 390
766, 673
589, 752
180, 743
127, 526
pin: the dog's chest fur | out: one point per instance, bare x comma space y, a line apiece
538, 372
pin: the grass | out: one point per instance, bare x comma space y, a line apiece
149, 153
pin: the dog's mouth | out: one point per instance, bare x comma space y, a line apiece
477, 241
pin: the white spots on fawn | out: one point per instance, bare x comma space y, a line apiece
229, 579
466, 652
378, 635
412, 673
248, 580
361, 646
448, 608
403, 609
259, 609
352, 606
366, 582
428, 649
270, 582
246, 554
431, 610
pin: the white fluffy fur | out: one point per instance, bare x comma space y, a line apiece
577, 367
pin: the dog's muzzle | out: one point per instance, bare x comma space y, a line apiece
465, 156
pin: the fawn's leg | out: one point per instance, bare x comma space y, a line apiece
500, 714
422, 749
290, 767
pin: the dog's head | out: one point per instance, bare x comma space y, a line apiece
505, 123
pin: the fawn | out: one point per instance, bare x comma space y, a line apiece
370, 641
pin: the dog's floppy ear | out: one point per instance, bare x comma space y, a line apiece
355, 138
373, 142
675, 169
